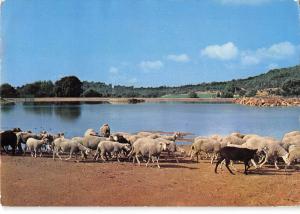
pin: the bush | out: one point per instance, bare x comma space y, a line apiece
227, 94
291, 87
37, 89
6, 91
193, 95
91, 93
251, 93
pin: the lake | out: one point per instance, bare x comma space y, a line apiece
196, 118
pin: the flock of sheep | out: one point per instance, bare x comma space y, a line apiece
149, 146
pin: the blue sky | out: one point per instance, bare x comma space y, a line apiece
146, 42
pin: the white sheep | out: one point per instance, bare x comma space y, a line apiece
237, 134
148, 147
144, 134
171, 148
232, 139
69, 145
92, 142
294, 155
34, 145
203, 144
270, 146
110, 147
90, 132
291, 138
171, 138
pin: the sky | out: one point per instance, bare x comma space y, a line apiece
146, 42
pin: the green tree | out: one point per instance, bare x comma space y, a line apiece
91, 93
37, 89
291, 87
6, 90
193, 95
250, 93
227, 94
69, 86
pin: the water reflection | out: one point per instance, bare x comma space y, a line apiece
69, 113
41, 110
62, 111
5, 108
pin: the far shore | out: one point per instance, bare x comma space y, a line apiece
271, 101
117, 100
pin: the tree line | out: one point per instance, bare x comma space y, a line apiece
286, 81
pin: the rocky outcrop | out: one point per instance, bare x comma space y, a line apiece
268, 101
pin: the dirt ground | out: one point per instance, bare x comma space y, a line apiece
27, 181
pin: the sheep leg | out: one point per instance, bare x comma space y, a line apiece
35, 153
117, 155
266, 159
70, 156
102, 156
254, 164
157, 158
192, 153
261, 159
25, 148
276, 166
227, 162
212, 159
57, 153
53, 154
96, 156
149, 158
136, 157
176, 158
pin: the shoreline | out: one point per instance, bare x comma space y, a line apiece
247, 101
116, 100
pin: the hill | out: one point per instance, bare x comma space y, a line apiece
284, 81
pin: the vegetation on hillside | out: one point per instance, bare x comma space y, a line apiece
284, 81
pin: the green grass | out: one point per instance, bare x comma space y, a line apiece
200, 95
175, 96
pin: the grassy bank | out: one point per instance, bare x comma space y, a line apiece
118, 100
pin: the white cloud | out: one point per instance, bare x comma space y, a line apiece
277, 51
244, 2
226, 51
151, 65
113, 70
178, 58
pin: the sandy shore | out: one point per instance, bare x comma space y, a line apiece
27, 181
117, 100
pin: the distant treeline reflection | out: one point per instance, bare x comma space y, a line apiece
66, 111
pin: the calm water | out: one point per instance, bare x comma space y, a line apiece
199, 119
